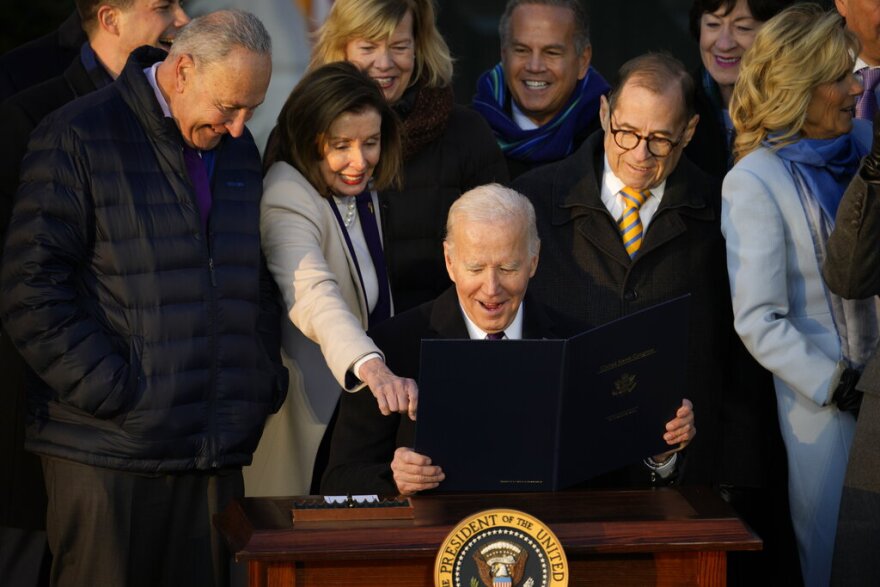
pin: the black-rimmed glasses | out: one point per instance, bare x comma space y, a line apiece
657, 146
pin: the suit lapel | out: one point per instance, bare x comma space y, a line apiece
446, 319
536, 323
580, 201
680, 198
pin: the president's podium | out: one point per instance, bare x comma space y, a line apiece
670, 536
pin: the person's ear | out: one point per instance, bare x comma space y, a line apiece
108, 19
584, 61
184, 71
689, 130
447, 257
533, 262
604, 112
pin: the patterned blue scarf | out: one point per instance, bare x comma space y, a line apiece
826, 166
550, 142
822, 169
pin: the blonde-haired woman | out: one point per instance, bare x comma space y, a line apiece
448, 149
797, 148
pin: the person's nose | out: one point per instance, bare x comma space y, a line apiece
181, 18
383, 59
491, 283
725, 41
641, 150
535, 62
235, 127
357, 160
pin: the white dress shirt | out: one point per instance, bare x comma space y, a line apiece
512, 332
614, 202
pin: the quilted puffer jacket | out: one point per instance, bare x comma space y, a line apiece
156, 345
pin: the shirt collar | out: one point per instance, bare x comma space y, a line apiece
512, 332
611, 185
521, 120
94, 69
860, 64
150, 72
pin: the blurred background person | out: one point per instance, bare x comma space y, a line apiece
337, 143
448, 149
724, 29
797, 148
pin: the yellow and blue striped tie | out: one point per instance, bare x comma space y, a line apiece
630, 224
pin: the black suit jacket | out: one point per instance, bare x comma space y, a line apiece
364, 440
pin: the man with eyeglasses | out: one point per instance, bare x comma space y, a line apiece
627, 222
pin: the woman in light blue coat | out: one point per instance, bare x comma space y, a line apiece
797, 148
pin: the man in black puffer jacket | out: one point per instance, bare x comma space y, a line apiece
133, 284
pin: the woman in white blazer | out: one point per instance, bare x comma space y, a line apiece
797, 148
318, 211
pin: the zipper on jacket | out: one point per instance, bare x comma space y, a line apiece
213, 460
211, 269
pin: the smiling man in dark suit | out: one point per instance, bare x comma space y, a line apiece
491, 252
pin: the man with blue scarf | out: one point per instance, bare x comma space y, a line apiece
542, 100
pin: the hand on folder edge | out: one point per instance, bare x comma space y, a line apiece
414, 472
679, 431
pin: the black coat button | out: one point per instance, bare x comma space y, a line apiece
630, 295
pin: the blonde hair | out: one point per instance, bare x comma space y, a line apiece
797, 50
376, 20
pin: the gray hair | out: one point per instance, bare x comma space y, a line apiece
210, 38
495, 204
581, 22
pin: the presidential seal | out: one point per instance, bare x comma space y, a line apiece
501, 548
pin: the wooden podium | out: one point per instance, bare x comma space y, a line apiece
676, 536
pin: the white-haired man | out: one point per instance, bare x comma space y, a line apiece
491, 252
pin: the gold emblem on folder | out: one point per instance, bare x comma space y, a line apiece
625, 384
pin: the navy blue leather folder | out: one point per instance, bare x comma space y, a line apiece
542, 415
